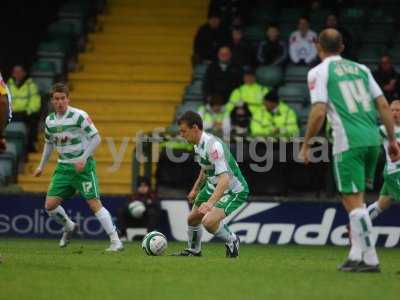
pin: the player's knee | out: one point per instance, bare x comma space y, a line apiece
209, 223
193, 220
95, 205
50, 204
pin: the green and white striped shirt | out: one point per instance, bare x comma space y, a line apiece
69, 133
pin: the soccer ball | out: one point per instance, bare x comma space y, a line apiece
154, 243
136, 209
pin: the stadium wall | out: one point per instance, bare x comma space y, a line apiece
303, 223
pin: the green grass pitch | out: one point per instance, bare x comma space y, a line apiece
38, 269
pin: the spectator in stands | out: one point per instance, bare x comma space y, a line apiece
241, 50
332, 22
249, 92
240, 120
151, 216
5, 111
302, 48
275, 119
216, 119
272, 51
387, 78
222, 76
209, 38
26, 102
232, 11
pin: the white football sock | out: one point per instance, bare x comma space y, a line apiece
194, 238
105, 220
355, 250
361, 228
374, 210
224, 233
60, 216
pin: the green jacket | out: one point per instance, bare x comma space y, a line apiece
252, 94
280, 124
26, 98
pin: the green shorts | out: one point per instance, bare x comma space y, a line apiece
391, 186
66, 181
228, 202
354, 168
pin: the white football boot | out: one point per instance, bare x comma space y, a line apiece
67, 235
115, 246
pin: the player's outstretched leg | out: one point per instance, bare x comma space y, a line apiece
104, 217
376, 208
212, 221
58, 214
195, 232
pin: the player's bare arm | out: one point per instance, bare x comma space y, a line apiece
196, 186
222, 185
387, 120
315, 121
94, 142
47, 151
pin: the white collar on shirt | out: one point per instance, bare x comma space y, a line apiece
332, 58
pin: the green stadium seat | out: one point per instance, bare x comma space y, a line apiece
264, 16
286, 29
270, 76
12, 149
61, 29
2, 178
303, 115
186, 107
290, 15
371, 53
44, 84
43, 73
353, 15
296, 73
77, 25
378, 34
43, 68
51, 48
296, 106
318, 18
7, 164
199, 71
173, 128
395, 53
254, 33
293, 92
74, 9
381, 15
16, 133
194, 92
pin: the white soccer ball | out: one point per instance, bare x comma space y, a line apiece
136, 208
154, 243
